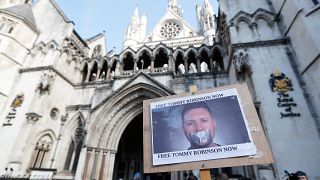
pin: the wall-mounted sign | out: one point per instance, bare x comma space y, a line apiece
280, 83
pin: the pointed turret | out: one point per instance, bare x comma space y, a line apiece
136, 30
206, 21
173, 5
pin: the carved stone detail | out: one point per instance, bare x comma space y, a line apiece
241, 59
32, 117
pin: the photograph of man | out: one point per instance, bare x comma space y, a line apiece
198, 125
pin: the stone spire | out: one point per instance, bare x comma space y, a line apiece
173, 5
206, 22
136, 30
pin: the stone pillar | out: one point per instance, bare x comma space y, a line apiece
98, 163
253, 27
108, 72
211, 64
109, 164
89, 164
98, 73
152, 64
135, 67
186, 67
88, 75
103, 161
198, 58
171, 64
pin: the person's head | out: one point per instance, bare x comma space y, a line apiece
198, 124
301, 175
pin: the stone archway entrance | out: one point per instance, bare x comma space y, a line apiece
129, 158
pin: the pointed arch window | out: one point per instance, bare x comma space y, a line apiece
74, 149
161, 60
41, 152
179, 64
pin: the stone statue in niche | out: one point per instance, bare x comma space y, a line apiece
46, 81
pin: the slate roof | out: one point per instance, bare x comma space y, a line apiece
23, 11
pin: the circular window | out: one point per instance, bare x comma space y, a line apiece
170, 30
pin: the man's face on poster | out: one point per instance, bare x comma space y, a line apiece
199, 127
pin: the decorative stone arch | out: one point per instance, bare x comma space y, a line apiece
163, 47
176, 52
205, 58
125, 52
218, 62
162, 60
113, 115
141, 51
265, 15
124, 56
190, 61
241, 16
202, 49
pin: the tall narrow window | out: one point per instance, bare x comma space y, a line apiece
75, 146
40, 154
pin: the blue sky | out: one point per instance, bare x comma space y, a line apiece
92, 17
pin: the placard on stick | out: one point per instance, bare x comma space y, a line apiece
207, 129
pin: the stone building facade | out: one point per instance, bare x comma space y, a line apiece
69, 109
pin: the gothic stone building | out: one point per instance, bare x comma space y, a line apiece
69, 109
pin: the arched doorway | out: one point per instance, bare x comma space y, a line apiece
129, 158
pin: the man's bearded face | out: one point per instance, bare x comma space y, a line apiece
199, 127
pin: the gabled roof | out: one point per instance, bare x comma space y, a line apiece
23, 11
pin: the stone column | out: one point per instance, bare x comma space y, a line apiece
103, 160
198, 58
108, 72
98, 72
89, 164
171, 64
109, 164
186, 67
211, 64
98, 162
135, 67
152, 64
88, 75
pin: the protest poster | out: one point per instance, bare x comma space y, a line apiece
184, 131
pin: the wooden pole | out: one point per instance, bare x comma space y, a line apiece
204, 173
